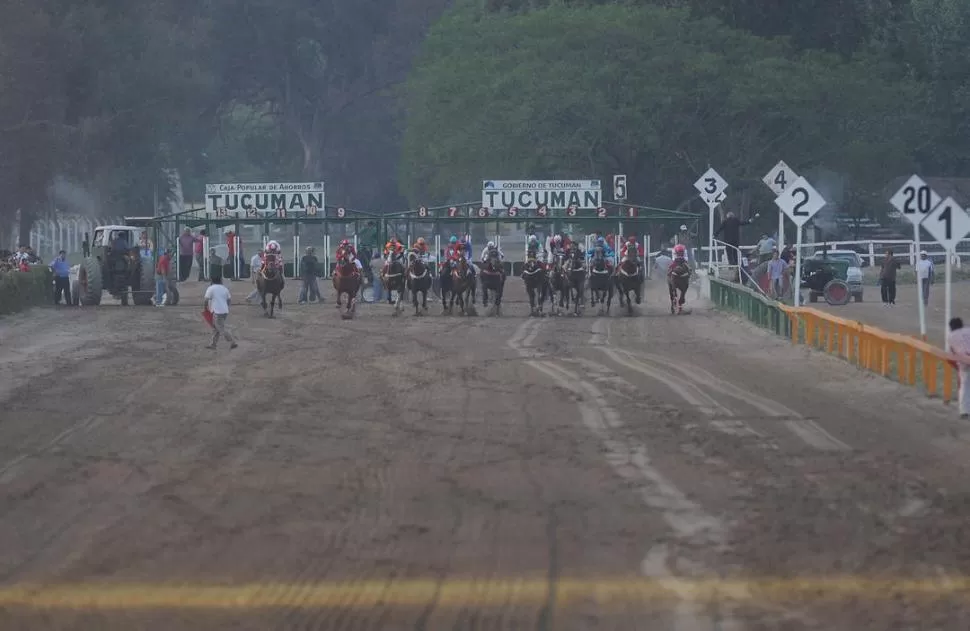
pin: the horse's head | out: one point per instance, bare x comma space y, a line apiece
416, 264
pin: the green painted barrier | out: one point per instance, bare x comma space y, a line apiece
755, 307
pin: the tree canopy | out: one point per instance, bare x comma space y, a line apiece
587, 91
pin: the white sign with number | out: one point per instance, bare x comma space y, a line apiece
619, 188
780, 177
711, 187
531, 194
269, 198
800, 202
915, 200
949, 224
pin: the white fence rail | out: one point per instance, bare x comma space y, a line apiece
50, 236
870, 251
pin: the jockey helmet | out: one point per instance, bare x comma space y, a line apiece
600, 240
272, 246
533, 239
420, 240
683, 228
345, 242
679, 249
491, 244
631, 239
453, 239
557, 239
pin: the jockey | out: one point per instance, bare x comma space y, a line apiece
450, 253
489, 248
390, 247
601, 251
420, 249
347, 248
272, 248
534, 249
455, 253
678, 277
555, 245
631, 244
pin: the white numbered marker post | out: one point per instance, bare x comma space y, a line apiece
778, 179
619, 188
711, 187
949, 224
800, 202
915, 200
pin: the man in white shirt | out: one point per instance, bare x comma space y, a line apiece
216, 300
926, 272
958, 344
254, 265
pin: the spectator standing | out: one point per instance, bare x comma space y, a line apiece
62, 278
730, 233
199, 254
958, 343
926, 274
216, 300
215, 264
887, 279
376, 267
777, 272
86, 245
255, 264
171, 281
231, 244
161, 278
186, 253
767, 248
309, 290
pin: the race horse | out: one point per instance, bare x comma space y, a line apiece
678, 280
269, 280
346, 280
558, 283
600, 282
394, 280
536, 284
462, 288
418, 281
575, 268
493, 280
628, 279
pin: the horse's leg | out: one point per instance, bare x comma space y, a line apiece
262, 302
414, 300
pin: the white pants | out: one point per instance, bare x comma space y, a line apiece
964, 392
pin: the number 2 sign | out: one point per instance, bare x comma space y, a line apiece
800, 201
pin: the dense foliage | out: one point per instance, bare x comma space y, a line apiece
660, 90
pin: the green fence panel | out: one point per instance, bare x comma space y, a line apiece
755, 307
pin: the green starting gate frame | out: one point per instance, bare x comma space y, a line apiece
651, 224
365, 231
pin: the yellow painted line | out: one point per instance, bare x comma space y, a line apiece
468, 593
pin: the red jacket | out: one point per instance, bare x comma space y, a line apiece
626, 245
162, 267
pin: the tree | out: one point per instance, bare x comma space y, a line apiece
645, 90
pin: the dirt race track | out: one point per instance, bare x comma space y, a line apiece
655, 472
904, 316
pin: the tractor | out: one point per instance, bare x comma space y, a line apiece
116, 265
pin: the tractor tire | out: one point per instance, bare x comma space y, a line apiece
142, 294
89, 283
836, 293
